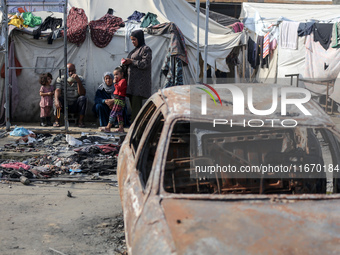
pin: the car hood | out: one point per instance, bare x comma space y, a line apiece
254, 227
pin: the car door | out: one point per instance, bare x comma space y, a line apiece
133, 188
151, 227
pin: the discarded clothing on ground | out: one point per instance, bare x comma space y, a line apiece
59, 158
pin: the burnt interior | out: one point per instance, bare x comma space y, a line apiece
241, 146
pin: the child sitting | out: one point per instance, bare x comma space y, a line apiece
46, 101
119, 101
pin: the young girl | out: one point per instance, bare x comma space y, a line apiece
46, 101
119, 101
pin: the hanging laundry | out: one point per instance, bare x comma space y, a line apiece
31, 20
57, 33
103, 29
17, 21
237, 27
272, 46
136, 16
252, 53
76, 26
49, 22
172, 68
259, 53
266, 45
149, 19
336, 35
320, 64
177, 43
322, 34
130, 26
305, 28
288, 35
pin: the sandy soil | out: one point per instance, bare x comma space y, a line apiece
41, 218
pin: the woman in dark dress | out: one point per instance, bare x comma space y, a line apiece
138, 62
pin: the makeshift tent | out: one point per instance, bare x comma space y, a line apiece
92, 61
308, 59
222, 19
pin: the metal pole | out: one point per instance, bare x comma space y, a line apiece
244, 62
36, 4
23, 67
7, 111
206, 41
198, 42
65, 67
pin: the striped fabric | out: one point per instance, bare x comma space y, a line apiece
266, 45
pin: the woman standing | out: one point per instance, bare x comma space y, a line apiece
138, 62
103, 100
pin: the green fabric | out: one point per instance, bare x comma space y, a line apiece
150, 18
31, 20
335, 35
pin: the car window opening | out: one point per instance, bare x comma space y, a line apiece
141, 123
149, 149
197, 146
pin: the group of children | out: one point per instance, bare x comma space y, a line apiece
47, 92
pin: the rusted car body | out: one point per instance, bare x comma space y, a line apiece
167, 210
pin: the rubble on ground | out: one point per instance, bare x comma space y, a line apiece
58, 155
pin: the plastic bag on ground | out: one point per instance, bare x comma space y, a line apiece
73, 141
20, 131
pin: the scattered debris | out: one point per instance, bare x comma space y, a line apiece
54, 250
24, 180
57, 156
69, 194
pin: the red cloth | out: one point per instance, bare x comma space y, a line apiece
109, 148
120, 88
76, 26
16, 165
103, 29
237, 27
17, 71
266, 45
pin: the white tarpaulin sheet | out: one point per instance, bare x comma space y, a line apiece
92, 62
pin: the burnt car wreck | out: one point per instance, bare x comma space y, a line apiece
190, 187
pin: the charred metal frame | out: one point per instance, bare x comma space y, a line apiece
145, 204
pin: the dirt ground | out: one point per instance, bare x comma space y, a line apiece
71, 218
41, 218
